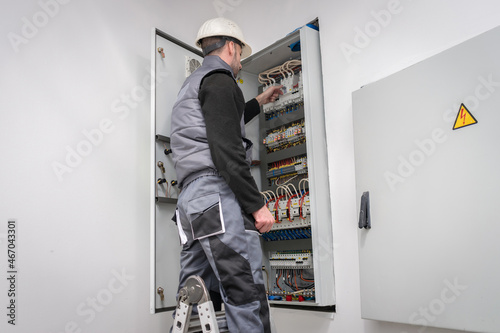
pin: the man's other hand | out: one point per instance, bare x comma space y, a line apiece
264, 220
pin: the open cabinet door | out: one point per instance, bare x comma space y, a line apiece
426, 148
172, 61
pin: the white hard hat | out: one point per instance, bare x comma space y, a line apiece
221, 26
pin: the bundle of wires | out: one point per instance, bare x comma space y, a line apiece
295, 279
269, 76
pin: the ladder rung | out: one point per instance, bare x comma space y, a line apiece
195, 326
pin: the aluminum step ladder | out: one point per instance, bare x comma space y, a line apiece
207, 320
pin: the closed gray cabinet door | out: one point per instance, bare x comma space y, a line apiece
426, 150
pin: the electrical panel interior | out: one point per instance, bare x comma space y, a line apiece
284, 128
285, 185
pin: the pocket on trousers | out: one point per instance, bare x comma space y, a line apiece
205, 216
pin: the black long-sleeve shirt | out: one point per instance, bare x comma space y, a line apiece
223, 104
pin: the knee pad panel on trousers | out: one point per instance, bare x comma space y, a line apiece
264, 309
235, 274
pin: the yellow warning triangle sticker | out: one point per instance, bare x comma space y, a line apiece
464, 118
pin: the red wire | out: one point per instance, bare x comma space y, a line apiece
301, 201
276, 207
303, 278
277, 281
288, 207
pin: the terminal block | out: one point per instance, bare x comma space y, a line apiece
291, 259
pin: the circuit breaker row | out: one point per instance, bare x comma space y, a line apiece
291, 259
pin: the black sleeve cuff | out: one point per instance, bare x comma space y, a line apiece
252, 108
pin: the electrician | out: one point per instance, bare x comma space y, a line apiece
220, 211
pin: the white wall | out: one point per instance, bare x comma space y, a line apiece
84, 67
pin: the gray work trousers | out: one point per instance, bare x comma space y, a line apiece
222, 246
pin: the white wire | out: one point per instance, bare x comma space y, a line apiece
287, 191
297, 193
271, 194
289, 180
300, 183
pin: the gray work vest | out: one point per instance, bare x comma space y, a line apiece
188, 137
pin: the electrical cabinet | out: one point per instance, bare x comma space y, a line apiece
298, 252
425, 148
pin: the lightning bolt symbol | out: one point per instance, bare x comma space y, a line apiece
462, 115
